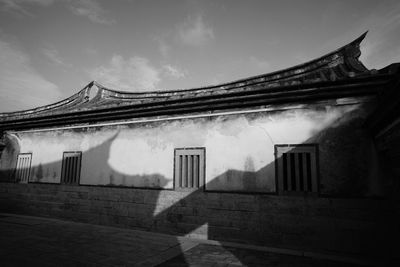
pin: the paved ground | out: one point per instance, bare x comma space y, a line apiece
34, 241
208, 255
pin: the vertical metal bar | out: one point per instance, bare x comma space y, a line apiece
64, 180
301, 176
76, 168
69, 169
293, 170
29, 167
187, 170
184, 171
63, 166
309, 181
304, 171
196, 171
66, 169
78, 171
282, 172
180, 170
190, 171
72, 169
21, 174
202, 175
289, 171
296, 170
193, 169
25, 168
22, 168
19, 169
74, 163
62, 170
68, 176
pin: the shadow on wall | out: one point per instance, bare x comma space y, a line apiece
348, 163
42, 173
348, 160
101, 154
248, 180
8, 157
344, 158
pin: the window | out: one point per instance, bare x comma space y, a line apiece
71, 167
23, 169
296, 168
189, 167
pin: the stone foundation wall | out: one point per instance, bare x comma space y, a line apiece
311, 223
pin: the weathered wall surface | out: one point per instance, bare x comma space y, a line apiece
239, 150
8, 158
319, 224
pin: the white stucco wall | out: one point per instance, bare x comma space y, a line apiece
142, 154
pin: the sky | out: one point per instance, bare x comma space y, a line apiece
51, 49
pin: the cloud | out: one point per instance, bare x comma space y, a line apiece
260, 64
92, 10
91, 51
134, 74
19, 6
86, 8
54, 56
194, 31
173, 72
163, 47
381, 47
21, 86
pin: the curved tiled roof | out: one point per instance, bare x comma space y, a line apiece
341, 65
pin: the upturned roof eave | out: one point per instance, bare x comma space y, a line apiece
285, 94
108, 100
354, 43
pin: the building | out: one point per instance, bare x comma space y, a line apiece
288, 158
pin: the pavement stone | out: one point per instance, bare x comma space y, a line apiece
35, 241
211, 255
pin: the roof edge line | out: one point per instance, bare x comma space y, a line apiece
356, 42
50, 106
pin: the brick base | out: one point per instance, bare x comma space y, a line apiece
361, 226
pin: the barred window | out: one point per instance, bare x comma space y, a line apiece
189, 167
23, 169
71, 167
296, 168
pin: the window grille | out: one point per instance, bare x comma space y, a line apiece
297, 168
189, 167
23, 169
71, 168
